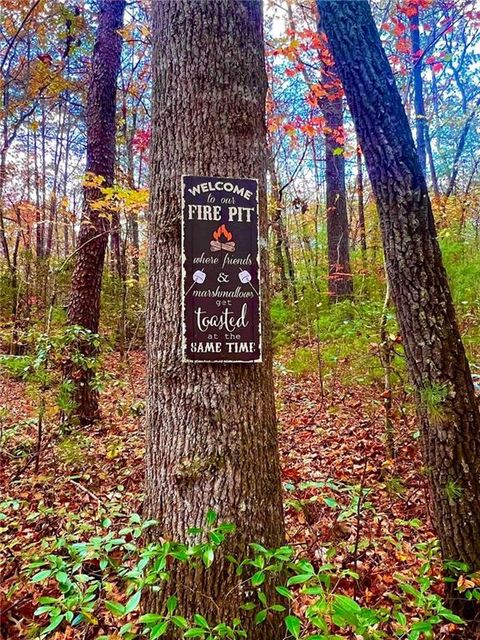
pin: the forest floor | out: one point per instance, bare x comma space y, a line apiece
347, 501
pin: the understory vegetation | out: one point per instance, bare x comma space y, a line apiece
360, 557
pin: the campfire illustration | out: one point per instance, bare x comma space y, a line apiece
222, 239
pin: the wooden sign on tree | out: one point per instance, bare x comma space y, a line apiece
220, 276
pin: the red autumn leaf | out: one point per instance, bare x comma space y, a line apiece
308, 129
403, 46
289, 127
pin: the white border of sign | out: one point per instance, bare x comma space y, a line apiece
186, 360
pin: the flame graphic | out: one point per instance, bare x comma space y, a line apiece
222, 230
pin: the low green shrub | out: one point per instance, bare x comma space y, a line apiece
76, 596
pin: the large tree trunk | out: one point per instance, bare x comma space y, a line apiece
84, 305
436, 358
340, 282
211, 429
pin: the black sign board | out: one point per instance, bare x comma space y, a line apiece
220, 275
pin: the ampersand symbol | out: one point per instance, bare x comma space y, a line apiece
222, 277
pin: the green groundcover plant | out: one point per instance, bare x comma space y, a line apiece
113, 572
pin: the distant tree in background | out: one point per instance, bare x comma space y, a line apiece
307, 52
84, 304
340, 281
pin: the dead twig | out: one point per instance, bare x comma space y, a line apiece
87, 491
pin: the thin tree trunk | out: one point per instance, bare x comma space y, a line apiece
424, 146
282, 245
420, 119
57, 159
3, 235
439, 370
14, 346
134, 238
361, 202
386, 358
45, 224
84, 305
66, 165
65, 220
278, 239
132, 231
288, 258
116, 245
431, 162
3, 174
38, 218
211, 429
340, 281
316, 174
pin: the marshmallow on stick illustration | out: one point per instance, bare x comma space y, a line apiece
198, 278
245, 277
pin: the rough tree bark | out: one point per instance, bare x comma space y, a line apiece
436, 358
211, 429
84, 303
